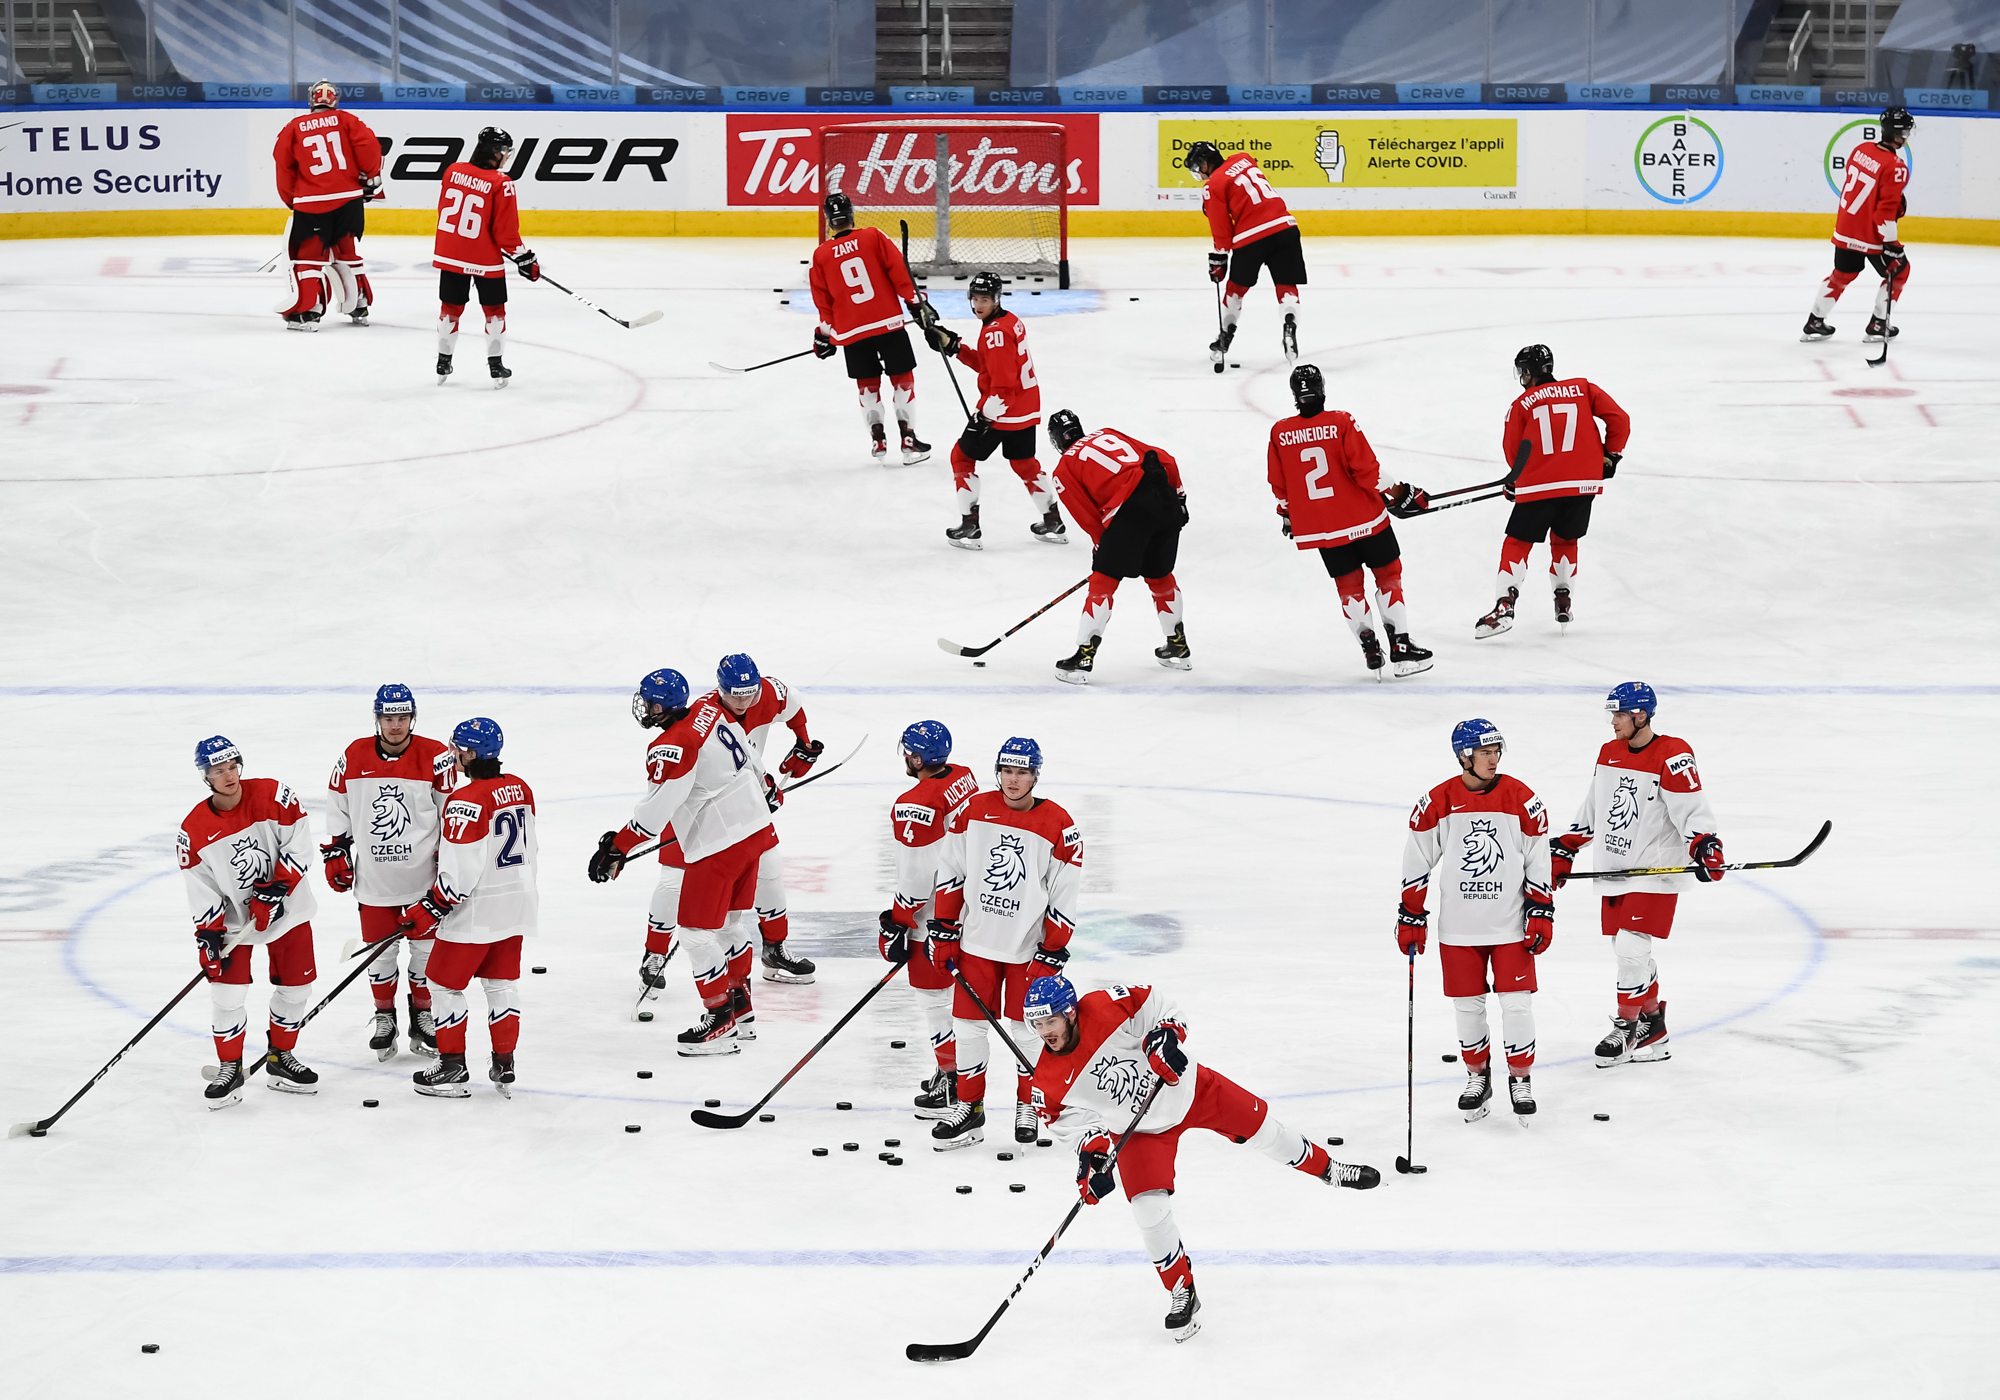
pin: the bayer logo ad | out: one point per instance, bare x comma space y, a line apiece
1678, 159
1849, 136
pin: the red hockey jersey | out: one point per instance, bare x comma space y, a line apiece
1559, 421
1100, 472
1102, 1081
321, 158
1326, 479
1241, 205
919, 820
479, 223
1009, 394
859, 284
1871, 198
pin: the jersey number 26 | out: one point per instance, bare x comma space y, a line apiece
465, 208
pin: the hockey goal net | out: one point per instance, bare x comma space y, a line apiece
974, 194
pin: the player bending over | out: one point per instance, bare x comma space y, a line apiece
919, 820
1127, 496
1010, 404
478, 234
1557, 465
329, 166
1100, 1053
1023, 855
1496, 913
244, 854
860, 285
1864, 227
390, 789
1647, 803
1330, 498
483, 904
1252, 228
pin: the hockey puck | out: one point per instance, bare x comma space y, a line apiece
645, 1074
631, 1127
1233, 364
711, 1103
819, 1152
150, 1347
883, 1156
1335, 1142
538, 970
1006, 1156
979, 663
850, 1147
1041, 1142
1017, 1188
843, 1104
895, 1161
1602, 1117
38, 1132
1451, 1059
787, 301
1127, 298
892, 1142
965, 1190
645, 1015
767, 1118
371, 1103
896, 1044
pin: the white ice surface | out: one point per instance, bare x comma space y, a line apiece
211, 525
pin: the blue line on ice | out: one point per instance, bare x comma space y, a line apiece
982, 1258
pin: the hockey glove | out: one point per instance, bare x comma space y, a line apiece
1093, 1169
420, 920
607, 862
1893, 252
1412, 929
1048, 962
774, 796
894, 940
1611, 461
1406, 501
1540, 929
1218, 266
1164, 1053
942, 947
209, 940
823, 345
529, 265
1562, 859
942, 339
1180, 499
1285, 522
371, 186
1707, 853
922, 312
337, 863
800, 760
267, 905
653, 970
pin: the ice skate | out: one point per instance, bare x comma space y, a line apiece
359, 315
914, 449
1472, 1100
1218, 348
227, 1086
383, 1041
741, 1014
966, 536
1816, 329
1026, 1126
1175, 654
878, 444
1565, 611
1616, 1047
961, 1125
444, 1080
653, 975
283, 1072
713, 1034
443, 368
1649, 1036
1076, 668
1522, 1092
1290, 338
1501, 619
501, 1072
1181, 1312
498, 372
1358, 1177
780, 966
940, 1093
306, 321
1876, 329
1050, 530
423, 1031
1371, 651
1406, 656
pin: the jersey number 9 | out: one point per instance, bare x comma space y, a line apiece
854, 273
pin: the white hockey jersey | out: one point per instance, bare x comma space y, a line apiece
487, 862
704, 781
776, 704
390, 806
1011, 878
1490, 848
1643, 808
1101, 1082
225, 855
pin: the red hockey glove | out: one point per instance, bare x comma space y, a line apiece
1048, 962
1706, 851
337, 863
267, 904
420, 920
1285, 522
800, 760
774, 796
894, 940
823, 345
1164, 1053
1218, 266
529, 265
371, 186
1562, 858
1893, 252
1405, 500
209, 939
942, 946
607, 862
1412, 930
1093, 1169
1540, 929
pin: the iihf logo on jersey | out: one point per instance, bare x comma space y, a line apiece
1121, 1079
1007, 865
1482, 849
250, 860
1625, 804
392, 814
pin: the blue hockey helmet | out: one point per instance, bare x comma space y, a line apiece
1019, 753
1630, 696
479, 737
1471, 734
213, 750
928, 741
395, 700
1049, 997
736, 676
666, 688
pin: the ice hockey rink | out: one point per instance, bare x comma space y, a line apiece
213, 526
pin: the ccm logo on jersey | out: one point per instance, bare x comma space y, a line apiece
458, 816
1683, 764
911, 812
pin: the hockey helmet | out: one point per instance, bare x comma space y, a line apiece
1471, 734
493, 145
1019, 753
1632, 697
479, 737
1308, 390
1536, 360
214, 750
665, 689
839, 211
322, 95
1048, 997
984, 284
1897, 122
737, 677
1203, 158
395, 699
928, 741
1065, 429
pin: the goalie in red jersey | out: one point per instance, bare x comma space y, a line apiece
1864, 229
329, 165
860, 286
478, 234
1252, 228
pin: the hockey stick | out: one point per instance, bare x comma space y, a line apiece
1467, 490
736, 1120
948, 371
787, 788
1469, 500
1221, 332
1798, 859
1403, 1163
645, 320
959, 1351
1888, 327
998, 1029
284, 244
954, 649
40, 1126
366, 963
731, 369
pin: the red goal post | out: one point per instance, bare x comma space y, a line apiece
975, 194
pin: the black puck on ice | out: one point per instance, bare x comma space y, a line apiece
538, 969
1451, 1059
371, 1103
850, 1147
843, 1104
979, 663
895, 1045
645, 1074
767, 1118
1335, 1142
895, 1161
819, 1152
645, 1015
38, 1132
965, 1190
1602, 1117
150, 1347
1234, 364
1041, 1142
892, 1142
1017, 1188
883, 1156
1006, 1156
631, 1127
711, 1103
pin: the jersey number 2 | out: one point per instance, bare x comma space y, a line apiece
514, 826
1314, 490
463, 207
